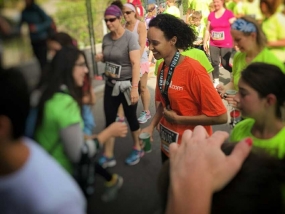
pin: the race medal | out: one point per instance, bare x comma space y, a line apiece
167, 137
218, 35
113, 70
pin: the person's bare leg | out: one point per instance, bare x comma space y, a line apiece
135, 135
145, 95
121, 112
109, 147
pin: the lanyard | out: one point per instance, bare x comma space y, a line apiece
164, 92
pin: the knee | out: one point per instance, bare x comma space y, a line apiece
143, 88
215, 61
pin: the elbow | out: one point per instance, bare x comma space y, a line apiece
223, 118
136, 63
75, 157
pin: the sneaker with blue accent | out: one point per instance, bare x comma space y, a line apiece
107, 162
134, 157
144, 117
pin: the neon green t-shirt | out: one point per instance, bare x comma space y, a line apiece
60, 112
194, 54
189, 3
173, 10
275, 146
253, 9
239, 8
239, 63
230, 5
274, 29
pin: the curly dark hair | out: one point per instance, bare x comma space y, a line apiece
172, 26
118, 3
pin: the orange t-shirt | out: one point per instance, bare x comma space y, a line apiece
190, 93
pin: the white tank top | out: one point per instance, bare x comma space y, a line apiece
144, 57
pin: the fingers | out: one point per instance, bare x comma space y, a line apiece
199, 133
134, 100
151, 138
173, 148
218, 138
220, 86
186, 139
186, 136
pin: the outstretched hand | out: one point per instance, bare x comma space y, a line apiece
118, 129
199, 157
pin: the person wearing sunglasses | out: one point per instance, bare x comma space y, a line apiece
121, 54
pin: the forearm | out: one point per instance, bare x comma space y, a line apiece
206, 37
157, 117
135, 73
73, 140
275, 44
201, 120
142, 49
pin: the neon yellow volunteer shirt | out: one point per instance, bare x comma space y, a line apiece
239, 63
274, 146
194, 54
274, 29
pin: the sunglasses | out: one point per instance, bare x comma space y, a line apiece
128, 12
110, 20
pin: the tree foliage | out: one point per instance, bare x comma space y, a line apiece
72, 18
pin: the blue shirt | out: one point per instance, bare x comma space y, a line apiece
34, 15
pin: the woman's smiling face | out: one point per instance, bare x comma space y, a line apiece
79, 71
158, 44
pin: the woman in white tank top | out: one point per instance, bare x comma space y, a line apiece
138, 27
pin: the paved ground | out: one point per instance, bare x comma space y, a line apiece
138, 194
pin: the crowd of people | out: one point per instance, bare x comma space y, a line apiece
55, 125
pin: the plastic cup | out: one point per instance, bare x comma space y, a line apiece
231, 92
145, 138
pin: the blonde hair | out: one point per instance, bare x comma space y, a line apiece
260, 36
197, 15
151, 10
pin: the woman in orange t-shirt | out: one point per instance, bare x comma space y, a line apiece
186, 94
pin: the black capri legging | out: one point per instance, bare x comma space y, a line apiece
111, 105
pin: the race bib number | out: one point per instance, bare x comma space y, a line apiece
113, 70
167, 137
218, 35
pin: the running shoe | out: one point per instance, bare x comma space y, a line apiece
134, 157
144, 117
